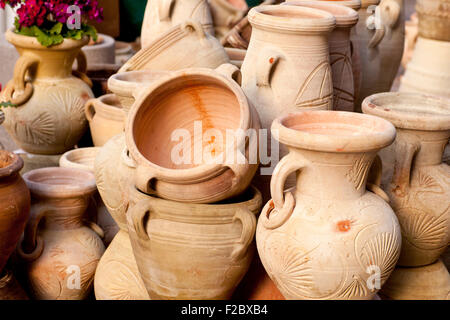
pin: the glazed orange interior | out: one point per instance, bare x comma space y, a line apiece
165, 121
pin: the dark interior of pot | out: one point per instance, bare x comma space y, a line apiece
6, 159
183, 123
334, 123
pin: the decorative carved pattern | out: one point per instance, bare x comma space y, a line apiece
40, 130
358, 172
356, 289
341, 65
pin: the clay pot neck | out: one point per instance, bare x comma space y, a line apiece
65, 214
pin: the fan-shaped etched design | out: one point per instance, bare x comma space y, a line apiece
356, 289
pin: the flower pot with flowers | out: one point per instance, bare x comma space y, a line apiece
47, 96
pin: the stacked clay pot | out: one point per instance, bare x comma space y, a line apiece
419, 189
61, 247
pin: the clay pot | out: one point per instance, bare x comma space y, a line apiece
101, 52
161, 15
411, 35
324, 239
380, 46
178, 245
49, 118
99, 75
431, 282
190, 104
236, 56
420, 187
434, 19
61, 249
183, 46
340, 52
84, 159
15, 204
10, 289
428, 72
106, 118
226, 14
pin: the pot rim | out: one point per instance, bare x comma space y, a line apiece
200, 172
322, 22
13, 167
422, 110
354, 4
29, 42
67, 161
78, 182
113, 111
345, 16
367, 140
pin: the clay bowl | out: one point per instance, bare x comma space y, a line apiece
172, 130
83, 159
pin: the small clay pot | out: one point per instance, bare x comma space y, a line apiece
106, 118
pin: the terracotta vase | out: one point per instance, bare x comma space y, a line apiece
340, 52
84, 159
420, 186
106, 118
14, 204
192, 251
380, 45
200, 108
429, 69
226, 14
61, 249
186, 45
10, 289
431, 282
49, 118
434, 19
325, 238
161, 15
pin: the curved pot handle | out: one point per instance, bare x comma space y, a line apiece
89, 109
143, 178
196, 27
81, 69
229, 70
374, 179
32, 244
266, 64
234, 37
18, 84
282, 203
165, 9
96, 228
138, 215
405, 153
389, 12
248, 220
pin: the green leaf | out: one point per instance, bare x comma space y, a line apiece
7, 104
56, 29
90, 31
47, 39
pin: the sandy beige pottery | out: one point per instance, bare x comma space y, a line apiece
226, 14
186, 45
380, 43
325, 238
84, 159
236, 56
106, 118
161, 15
192, 251
340, 52
10, 289
14, 204
208, 130
420, 186
434, 19
61, 248
429, 69
49, 118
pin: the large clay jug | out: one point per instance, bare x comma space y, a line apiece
420, 186
161, 15
61, 248
192, 251
14, 204
49, 118
329, 238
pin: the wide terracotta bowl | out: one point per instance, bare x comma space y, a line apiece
177, 132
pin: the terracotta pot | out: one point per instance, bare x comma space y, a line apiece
189, 104
431, 282
324, 239
99, 75
50, 117
61, 249
15, 204
429, 69
101, 52
127, 85
10, 289
183, 46
236, 56
177, 245
106, 118
226, 14
161, 15
84, 159
420, 186
340, 52
380, 47
434, 19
